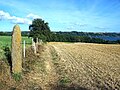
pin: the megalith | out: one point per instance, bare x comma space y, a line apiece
16, 51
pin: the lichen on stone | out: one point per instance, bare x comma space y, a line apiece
16, 51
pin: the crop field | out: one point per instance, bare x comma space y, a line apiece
90, 66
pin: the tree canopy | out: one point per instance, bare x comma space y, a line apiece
40, 29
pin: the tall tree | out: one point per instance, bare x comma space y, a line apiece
40, 29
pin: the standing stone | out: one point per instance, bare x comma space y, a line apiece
16, 52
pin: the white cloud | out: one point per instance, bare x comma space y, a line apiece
4, 15
13, 19
32, 16
18, 20
21, 20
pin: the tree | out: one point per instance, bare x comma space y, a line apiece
40, 29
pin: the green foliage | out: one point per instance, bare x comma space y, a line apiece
17, 76
27, 40
40, 29
6, 41
7, 51
75, 33
23, 33
118, 41
64, 37
86, 37
7, 54
5, 33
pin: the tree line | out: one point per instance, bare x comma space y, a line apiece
40, 29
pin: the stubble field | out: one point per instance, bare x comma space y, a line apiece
90, 66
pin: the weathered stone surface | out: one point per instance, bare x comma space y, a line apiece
16, 52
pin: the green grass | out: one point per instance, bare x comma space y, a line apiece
17, 76
28, 40
6, 40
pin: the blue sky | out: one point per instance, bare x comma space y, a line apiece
62, 15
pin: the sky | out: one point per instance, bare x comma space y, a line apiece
62, 15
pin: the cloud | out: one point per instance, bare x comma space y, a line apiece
20, 20
13, 19
4, 15
32, 16
17, 20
